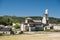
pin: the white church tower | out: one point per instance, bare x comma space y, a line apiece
45, 18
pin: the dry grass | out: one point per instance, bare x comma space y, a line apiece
49, 36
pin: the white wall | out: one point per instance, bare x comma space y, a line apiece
56, 27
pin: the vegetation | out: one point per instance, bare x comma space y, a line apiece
17, 26
8, 20
54, 20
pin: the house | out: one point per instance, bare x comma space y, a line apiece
5, 29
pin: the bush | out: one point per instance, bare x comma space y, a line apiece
17, 26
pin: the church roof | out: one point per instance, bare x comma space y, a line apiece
28, 18
37, 20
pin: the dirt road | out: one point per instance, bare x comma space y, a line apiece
48, 36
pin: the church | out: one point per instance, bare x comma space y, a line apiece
36, 25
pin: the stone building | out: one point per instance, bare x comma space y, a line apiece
36, 25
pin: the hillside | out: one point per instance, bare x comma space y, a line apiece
10, 19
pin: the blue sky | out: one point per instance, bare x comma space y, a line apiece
30, 7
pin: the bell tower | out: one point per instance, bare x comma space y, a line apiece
46, 16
